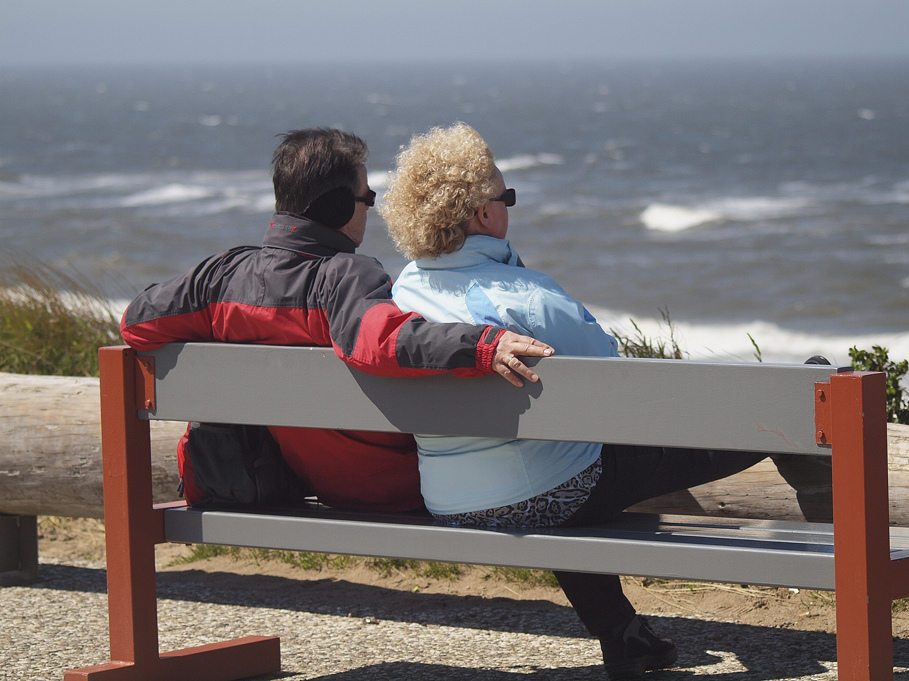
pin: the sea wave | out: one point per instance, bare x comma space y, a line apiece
50, 186
673, 218
377, 179
733, 342
526, 161
171, 193
665, 218
899, 194
200, 192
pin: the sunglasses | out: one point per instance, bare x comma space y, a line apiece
369, 199
508, 197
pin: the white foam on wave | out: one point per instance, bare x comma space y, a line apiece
171, 193
759, 207
888, 239
218, 206
377, 179
899, 194
10, 188
264, 203
664, 218
731, 342
44, 186
525, 161
139, 189
673, 218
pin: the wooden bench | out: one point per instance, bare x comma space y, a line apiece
792, 409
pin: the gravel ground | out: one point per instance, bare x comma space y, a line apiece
61, 623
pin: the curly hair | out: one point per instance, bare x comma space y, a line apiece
441, 179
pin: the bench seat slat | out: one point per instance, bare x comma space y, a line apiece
772, 553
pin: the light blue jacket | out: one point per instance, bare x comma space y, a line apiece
485, 283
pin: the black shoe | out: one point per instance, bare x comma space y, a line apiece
636, 650
817, 359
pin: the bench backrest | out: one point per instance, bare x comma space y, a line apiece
680, 403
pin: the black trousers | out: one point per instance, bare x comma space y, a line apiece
632, 474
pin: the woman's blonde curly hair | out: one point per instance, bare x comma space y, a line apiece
441, 179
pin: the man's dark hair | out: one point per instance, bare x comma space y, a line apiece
308, 163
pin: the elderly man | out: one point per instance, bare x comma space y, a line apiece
307, 286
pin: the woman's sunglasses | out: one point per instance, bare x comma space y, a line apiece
508, 197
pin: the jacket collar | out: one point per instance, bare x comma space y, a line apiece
477, 250
293, 233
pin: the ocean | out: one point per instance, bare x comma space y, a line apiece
764, 200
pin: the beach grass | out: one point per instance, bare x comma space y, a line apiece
51, 322
639, 345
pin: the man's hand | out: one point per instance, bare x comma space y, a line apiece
506, 362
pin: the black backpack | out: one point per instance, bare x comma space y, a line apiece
241, 466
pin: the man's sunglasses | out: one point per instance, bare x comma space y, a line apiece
369, 199
508, 197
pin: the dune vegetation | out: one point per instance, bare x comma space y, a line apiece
51, 323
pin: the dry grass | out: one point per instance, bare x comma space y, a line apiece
51, 323
640, 346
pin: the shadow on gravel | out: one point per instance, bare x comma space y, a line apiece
685, 669
766, 653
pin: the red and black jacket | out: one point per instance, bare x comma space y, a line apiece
305, 286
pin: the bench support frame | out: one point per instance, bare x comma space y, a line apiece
851, 417
857, 418
133, 527
18, 549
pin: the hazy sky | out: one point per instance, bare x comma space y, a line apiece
295, 31
217, 31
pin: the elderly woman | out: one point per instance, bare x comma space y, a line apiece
447, 210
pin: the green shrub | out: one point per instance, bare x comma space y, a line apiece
878, 359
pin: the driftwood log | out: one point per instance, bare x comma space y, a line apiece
50, 461
50, 448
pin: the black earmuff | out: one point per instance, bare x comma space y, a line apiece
334, 208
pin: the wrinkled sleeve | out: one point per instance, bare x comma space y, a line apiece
370, 332
175, 310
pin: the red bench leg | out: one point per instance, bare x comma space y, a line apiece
133, 527
861, 520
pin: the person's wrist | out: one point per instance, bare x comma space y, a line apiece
486, 348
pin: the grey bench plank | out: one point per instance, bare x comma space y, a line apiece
751, 407
763, 552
